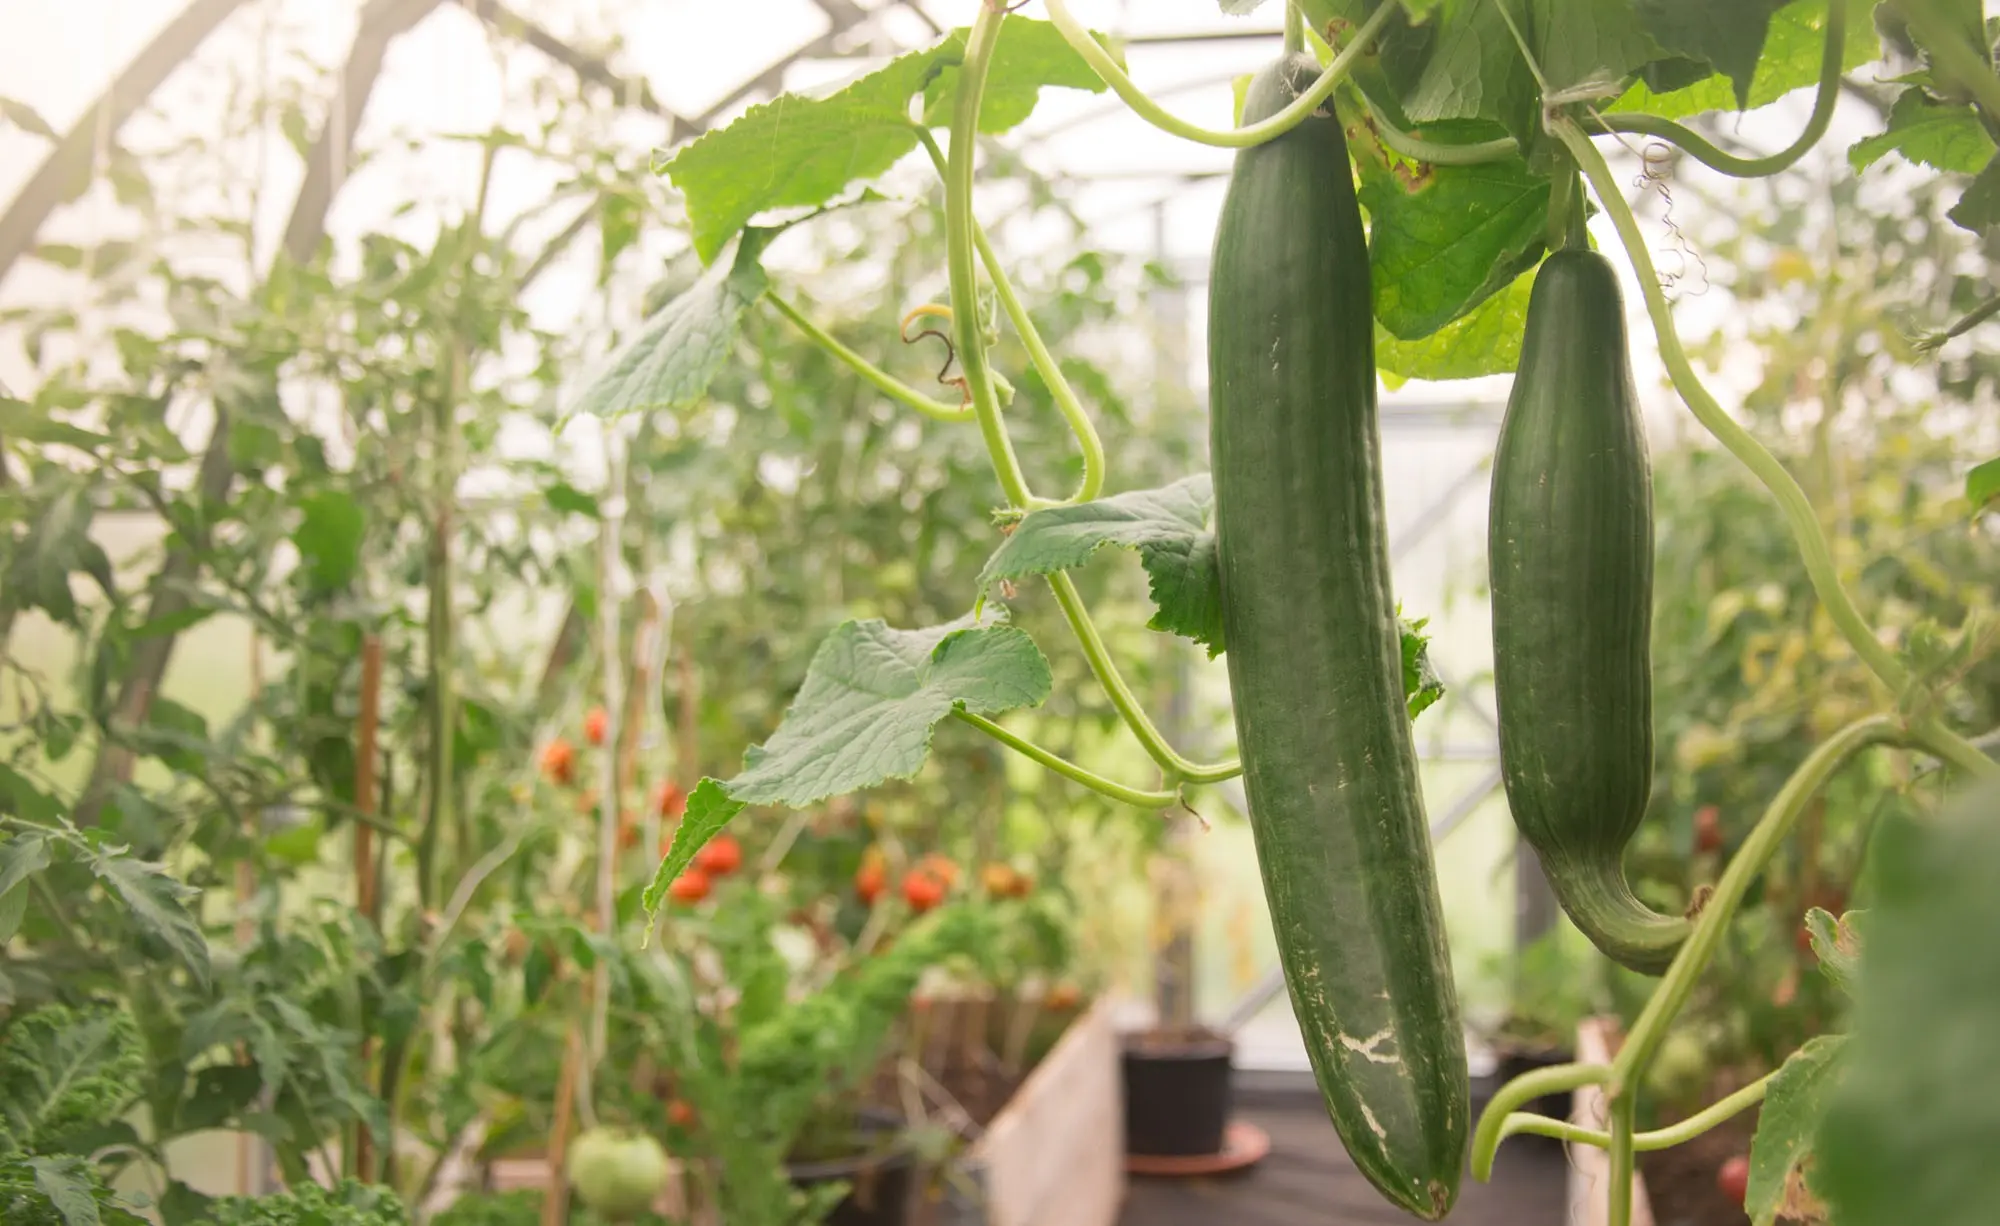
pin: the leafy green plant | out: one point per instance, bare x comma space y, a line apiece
63, 1190
348, 1203
64, 1071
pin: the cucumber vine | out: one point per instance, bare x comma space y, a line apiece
1543, 153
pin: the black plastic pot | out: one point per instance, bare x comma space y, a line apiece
881, 1179
1177, 1092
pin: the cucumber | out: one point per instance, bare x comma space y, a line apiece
1570, 560
1315, 656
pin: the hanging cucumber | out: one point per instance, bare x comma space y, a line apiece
1315, 659
1570, 557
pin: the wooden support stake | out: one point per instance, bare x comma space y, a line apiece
555, 1200
366, 900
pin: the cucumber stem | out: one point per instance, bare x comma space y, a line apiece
1792, 500
1067, 403
1509, 1098
1779, 816
1704, 151
1295, 28
1068, 769
884, 382
958, 227
1645, 1142
1417, 149
1101, 62
1618, 1193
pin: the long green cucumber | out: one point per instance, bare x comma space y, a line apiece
1570, 559
1315, 658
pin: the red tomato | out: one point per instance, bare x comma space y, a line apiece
679, 1114
720, 856
559, 761
870, 880
1063, 996
628, 831
922, 890
516, 946
691, 886
669, 800
940, 867
1733, 1178
595, 724
1707, 830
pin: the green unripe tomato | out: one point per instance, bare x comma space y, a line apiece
617, 1173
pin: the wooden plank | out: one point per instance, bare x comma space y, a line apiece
1055, 1155
1590, 1167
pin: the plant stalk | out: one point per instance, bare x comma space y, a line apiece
1136, 797
1798, 510
1107, 69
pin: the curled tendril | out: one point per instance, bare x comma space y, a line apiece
1656, 160
933, 310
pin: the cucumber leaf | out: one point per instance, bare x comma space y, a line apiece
865, 713
802, 150
1982, 484
1793, 43
1782, 1171
1728, 34
1837, 945
1442, 245
1947, 136
670, 361
1484, 341
1911, 1132
1171, 528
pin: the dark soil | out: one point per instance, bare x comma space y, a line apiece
1681, 1181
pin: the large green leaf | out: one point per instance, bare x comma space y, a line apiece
871, 697
63, 1070
1728, 34
1913, 1130
1946, 136
1477, 70
1786, 1126
21, 857
57, 543
1484, 341
1793, 44
671, 360
157, 905
799, 150
329, 535
1441, 246
1982, 484
1171, 529
1978, 209
709, 808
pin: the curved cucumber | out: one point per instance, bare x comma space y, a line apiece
1315, 657
1570, 559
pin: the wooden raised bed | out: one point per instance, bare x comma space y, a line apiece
1055, 1154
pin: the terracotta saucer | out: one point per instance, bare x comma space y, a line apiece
1243, 1146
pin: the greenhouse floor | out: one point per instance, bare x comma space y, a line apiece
1307, 1177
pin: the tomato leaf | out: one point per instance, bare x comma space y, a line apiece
1728, 34
328, 537
1837, 945
1946, 136
1982, 484
799, 150
1911, 1133
1786, 1126
1170, 527
157, 906
673, 357
871, 697
21, 857
1484, 341
1461, 234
